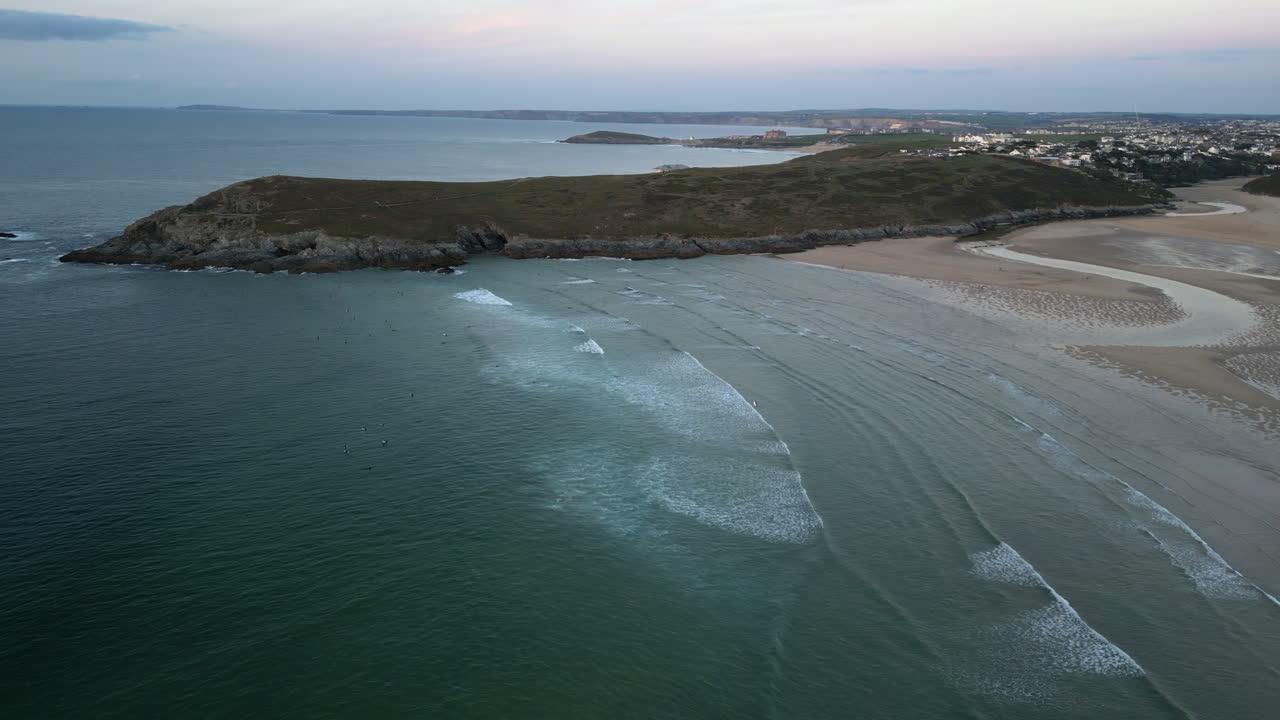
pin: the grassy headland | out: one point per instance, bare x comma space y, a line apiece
860, 192
828, 190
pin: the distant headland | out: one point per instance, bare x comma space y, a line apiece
769, 140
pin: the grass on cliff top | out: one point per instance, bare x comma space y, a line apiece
1265, 185
837, 189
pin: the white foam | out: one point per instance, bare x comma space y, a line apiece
480, 296
741, 496
641, 297
718, 462
1026, 398
1003, 564
578, 281
1212, 575
1026, 653
724, 466
14, 260
1208, 571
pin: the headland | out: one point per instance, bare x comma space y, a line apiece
844, 196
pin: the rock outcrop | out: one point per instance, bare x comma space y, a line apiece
222, 231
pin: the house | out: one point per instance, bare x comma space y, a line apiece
775, 134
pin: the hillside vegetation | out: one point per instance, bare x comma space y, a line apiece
861, 192
613, 137
829, 190
1266, 185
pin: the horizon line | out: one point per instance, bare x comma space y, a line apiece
220, 106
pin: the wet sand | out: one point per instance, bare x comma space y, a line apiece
1189, 302
941, 258
1185, 306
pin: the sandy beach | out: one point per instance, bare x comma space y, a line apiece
1191, 301
1185, 306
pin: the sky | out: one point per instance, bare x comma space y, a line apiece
1215, 56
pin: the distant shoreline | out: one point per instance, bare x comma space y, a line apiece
785, 143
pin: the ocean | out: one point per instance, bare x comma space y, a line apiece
724, 487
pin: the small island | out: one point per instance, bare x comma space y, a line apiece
839, 197
769, 140
611, 137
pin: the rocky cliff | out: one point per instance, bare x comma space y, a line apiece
179, 238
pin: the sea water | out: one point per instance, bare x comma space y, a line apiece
727, 487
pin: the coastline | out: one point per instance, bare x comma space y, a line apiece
1066, 300
1143, 341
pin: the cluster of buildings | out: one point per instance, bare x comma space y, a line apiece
1140, 150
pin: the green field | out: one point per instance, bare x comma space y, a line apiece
868, 184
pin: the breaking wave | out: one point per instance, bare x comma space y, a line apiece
1025, 654
480, 296
716, 461
1212, 575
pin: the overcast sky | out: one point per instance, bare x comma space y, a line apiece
1172, 55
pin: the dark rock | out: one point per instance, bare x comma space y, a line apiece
488, 238
220, 230
8, 235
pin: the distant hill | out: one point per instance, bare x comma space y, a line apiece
213, 107
1265, 185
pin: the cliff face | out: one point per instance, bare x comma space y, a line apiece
324, 225
182, 238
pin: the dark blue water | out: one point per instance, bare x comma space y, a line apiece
730, 487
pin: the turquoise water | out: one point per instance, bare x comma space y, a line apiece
728, 487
